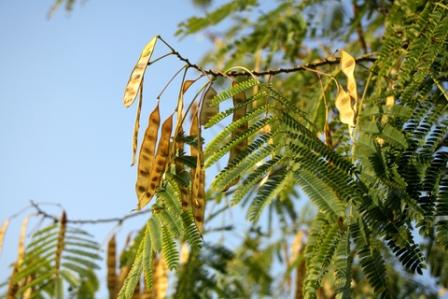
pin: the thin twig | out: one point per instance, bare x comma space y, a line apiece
369, 57
119, 220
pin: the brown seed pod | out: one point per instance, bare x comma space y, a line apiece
159, 165
147, 152
208, 110
112, 279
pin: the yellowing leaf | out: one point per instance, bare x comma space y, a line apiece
136, 77
207, 110
159, 165
147, 152
3, 230
343, 104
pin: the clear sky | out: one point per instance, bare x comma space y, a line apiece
65, 136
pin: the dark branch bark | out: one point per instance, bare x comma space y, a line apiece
369, 57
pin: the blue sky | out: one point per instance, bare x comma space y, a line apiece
65, 136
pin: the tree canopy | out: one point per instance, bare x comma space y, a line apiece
331, 123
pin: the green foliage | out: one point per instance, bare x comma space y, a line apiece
374, 186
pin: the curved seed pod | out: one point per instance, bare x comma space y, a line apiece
238, 113
208, 110
348, 64
198, 194
61, 241
195, 132
112, 281
198, 187
136, 77
3, 230
343, 104
13, 285
22, 237
159, 165
147, 151
137, 126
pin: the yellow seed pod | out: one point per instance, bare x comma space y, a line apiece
3, 230
343, 104
160, 280
22, 237
147, 152
159, 165
136, 77
137, 126
348, 64
198, 194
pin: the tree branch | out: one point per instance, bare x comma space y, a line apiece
369, 57
119, 220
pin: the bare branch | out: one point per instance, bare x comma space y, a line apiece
119, 220
369, 57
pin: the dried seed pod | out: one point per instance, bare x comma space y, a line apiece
198, 193
195, 133
137, 126
147, 151
61, 241
3, 230
160, 280
208, 110
22, 237
344, 106
112, 279
136, 77
348, 64
159, 165
238, 113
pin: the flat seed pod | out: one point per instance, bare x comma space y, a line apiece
137, 126
348, 64
207, 110
198, 193
160, 280
147, 152
61, 241
112, 279
3, 230
159, 165
237, 114
136, 77
22, 237
344, 106
195, 132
